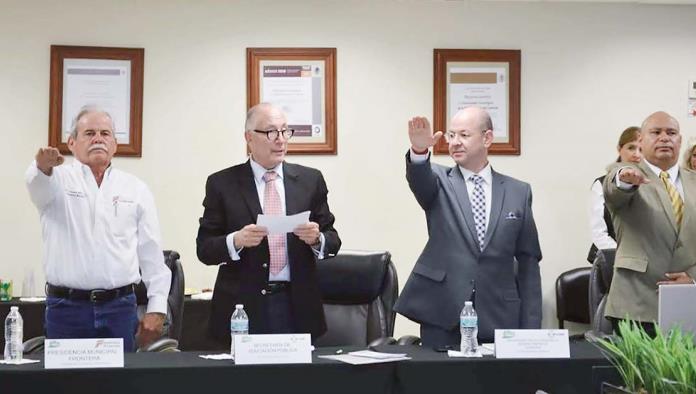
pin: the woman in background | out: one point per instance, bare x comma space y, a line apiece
690, 155
600, 220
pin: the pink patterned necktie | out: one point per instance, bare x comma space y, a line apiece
271, 206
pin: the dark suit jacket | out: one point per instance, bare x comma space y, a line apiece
505, 274
231, 202
607, 220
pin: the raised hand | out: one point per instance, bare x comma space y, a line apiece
633, 177
47, 158
421, 135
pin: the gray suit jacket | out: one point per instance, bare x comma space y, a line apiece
648, 243
505, 274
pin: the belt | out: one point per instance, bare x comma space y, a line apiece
276, 287
95, 296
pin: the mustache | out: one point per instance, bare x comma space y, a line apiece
98, 146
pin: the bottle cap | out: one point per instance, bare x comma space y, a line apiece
14, 308
239, 306
468, 303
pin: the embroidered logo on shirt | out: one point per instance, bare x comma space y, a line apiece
75, 193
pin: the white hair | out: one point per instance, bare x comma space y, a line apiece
88, 109
252, 114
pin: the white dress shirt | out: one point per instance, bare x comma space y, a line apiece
598, 227
486, 173
673, 177
259, 171
99, 237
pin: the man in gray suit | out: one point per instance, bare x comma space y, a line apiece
482, 244
654, 211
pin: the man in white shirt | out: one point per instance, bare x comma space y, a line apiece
100, 233
482, 240
654, 211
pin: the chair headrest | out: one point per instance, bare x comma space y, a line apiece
170, 257
352, 277
575, 275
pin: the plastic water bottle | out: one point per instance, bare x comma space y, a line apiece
239, 325
468, 327
14, 327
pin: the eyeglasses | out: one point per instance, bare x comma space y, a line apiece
273, 135
463, 135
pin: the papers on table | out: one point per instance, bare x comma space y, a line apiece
279, 224
486, 349
221, 356
208, 295
23, 361
32, 299
363, 357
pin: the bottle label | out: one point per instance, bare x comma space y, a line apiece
239, 325
469, 321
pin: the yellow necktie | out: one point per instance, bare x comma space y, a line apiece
677, 203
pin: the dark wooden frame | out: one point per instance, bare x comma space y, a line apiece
328, 55
137, 58
512, 58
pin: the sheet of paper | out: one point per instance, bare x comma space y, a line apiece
102, 82
486, 349
23, 361
357, 360
222, 356
278, 224
297, 86
208, 295
377, 355
32, 299
457, 353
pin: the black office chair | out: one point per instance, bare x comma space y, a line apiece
175, 301
359, 290
600, 281
175, 310
572, 294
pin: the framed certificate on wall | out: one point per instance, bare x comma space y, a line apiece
108, 78
487, 78
302, 82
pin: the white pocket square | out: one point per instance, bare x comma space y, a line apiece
511, 216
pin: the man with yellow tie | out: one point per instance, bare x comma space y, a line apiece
653, 205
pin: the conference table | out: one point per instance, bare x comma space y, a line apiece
427, 372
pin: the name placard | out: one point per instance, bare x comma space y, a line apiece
273, 349
532, 344
83, 353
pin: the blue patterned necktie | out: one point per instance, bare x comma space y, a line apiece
478, 208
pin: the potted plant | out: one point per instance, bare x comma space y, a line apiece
664, 364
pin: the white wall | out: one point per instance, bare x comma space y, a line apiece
588, 71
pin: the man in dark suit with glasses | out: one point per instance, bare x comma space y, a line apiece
273, 275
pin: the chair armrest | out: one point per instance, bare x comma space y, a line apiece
382, 341
409, 340
34, 345
162, 345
